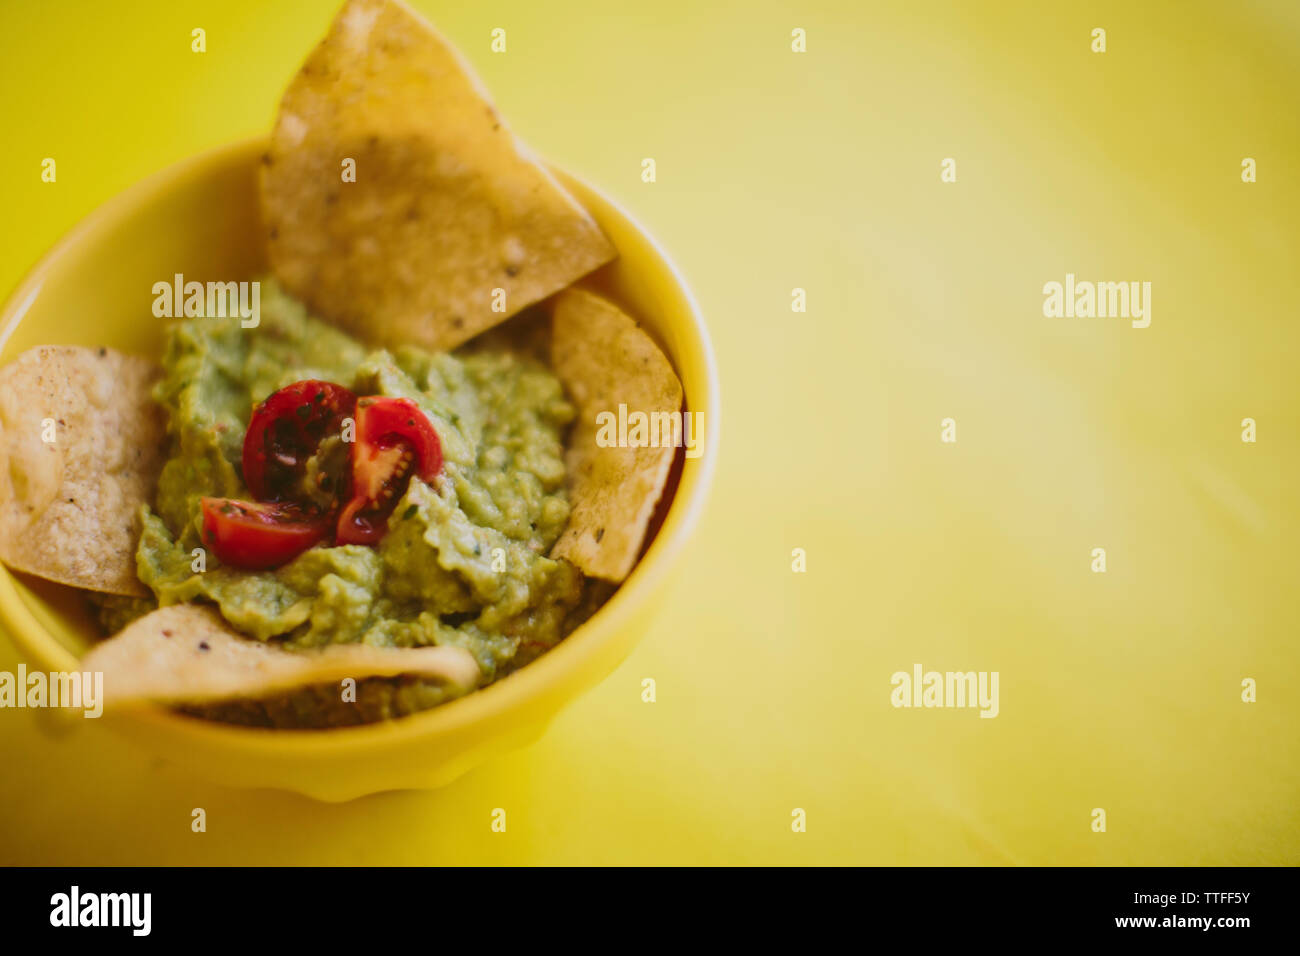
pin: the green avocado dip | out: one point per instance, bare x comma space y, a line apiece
463, 561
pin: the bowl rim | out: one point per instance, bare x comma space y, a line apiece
501, 699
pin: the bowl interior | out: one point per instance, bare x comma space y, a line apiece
201, 219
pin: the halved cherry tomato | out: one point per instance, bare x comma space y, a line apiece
285, 432
247, 534
394, 441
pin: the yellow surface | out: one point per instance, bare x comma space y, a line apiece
821, 170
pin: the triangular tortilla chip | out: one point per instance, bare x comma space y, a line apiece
68, 507
605, 360
447, 206
188, 653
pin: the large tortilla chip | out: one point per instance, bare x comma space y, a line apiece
188, 653
68, 508
606, 360
446, 207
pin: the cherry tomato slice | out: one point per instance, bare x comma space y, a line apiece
285, 432
255, 536
394, 441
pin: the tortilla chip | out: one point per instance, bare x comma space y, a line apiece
447, 206
188, 653
68, 507
606, 360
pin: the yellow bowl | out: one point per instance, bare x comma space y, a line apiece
200, 218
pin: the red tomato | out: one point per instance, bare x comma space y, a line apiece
394, 441
246, 534
286, 430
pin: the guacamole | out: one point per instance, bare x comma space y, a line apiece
463, 561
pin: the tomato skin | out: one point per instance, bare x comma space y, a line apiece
382, 422
258, 536
286, 429
394, 441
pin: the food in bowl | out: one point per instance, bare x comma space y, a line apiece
383, 487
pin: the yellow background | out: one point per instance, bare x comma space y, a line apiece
821, 171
